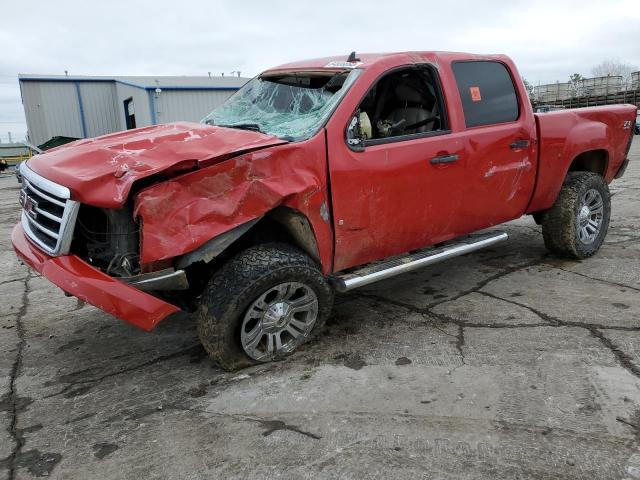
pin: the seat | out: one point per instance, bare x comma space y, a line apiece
413, 107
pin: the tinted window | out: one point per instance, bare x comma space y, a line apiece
487, 92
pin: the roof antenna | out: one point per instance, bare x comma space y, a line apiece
352, 58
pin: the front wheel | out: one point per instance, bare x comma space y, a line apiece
577, 223
262, 305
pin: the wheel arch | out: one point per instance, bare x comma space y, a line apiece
284, 224
299, 228
595, 161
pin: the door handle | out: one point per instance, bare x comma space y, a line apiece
444, 159
519, 144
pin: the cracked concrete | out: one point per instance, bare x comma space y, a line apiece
507, 363
12, 399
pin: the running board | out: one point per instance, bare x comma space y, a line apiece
374, 272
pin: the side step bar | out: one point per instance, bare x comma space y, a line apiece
374, 272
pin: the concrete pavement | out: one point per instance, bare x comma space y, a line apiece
507, 363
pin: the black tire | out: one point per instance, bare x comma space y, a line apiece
561, 225
239, 283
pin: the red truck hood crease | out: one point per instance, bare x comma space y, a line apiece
100, 171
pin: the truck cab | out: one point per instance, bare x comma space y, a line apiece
316, 177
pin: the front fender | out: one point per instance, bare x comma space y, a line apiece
181, 214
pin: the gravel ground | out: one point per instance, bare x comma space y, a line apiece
507, 363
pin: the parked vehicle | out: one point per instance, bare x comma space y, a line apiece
637, 125
32, 150
315, 177
547, 108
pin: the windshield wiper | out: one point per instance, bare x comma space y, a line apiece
244, 126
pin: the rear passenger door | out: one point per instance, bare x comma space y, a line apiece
499, 141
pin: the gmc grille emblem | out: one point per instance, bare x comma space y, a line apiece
28, 204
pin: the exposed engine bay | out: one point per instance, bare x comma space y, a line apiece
108, 239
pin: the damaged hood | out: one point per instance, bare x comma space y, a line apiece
100, 171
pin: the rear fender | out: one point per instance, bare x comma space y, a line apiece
557, 153
586, 137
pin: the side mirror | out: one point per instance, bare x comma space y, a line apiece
355, 139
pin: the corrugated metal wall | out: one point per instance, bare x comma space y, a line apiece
51, 109
12, 150
188, 105
140, 104
99, 106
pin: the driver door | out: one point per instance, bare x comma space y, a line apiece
402, 189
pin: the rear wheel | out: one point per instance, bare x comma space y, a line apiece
262, 305
577, 224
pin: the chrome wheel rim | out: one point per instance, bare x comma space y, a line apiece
279, 321
590, 215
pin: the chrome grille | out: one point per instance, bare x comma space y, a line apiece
48, 213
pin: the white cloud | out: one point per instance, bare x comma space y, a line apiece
548, 39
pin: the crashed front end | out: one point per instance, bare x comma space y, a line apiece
130, 249
43, 240
135, 222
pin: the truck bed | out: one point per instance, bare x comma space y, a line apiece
564, 134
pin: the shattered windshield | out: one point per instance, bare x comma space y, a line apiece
291, 105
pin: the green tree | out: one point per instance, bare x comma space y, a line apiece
575, 83
528, 87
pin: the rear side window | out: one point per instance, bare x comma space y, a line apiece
487, 93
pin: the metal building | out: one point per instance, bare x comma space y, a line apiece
601, 85
82, 107
552, 91
13, 151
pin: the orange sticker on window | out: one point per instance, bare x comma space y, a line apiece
475, 94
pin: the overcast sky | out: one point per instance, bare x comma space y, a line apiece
548, 39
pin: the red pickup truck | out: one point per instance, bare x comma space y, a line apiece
315, 177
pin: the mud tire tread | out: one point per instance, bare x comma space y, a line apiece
232, 288
559, 223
